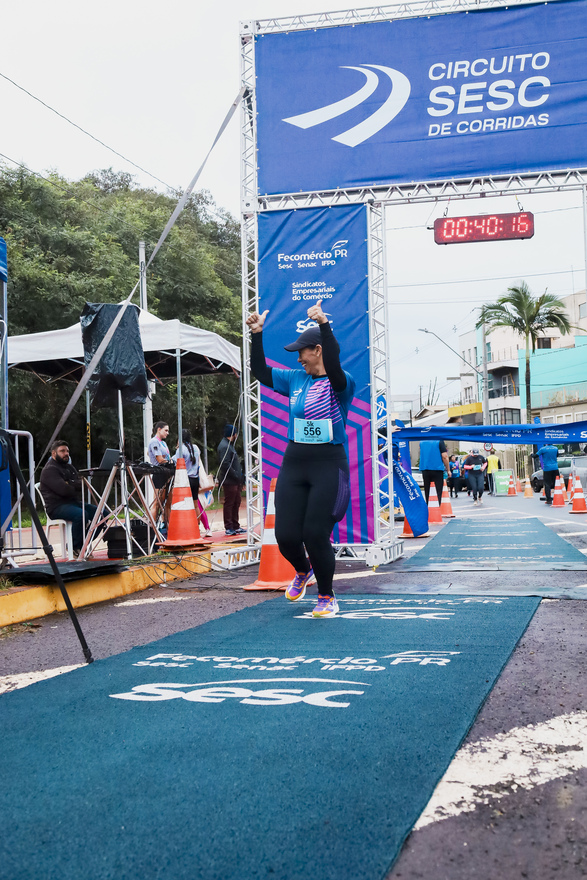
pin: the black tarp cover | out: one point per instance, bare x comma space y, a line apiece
123, 363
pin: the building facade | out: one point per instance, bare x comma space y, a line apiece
558, 371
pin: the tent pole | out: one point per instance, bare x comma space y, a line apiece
204, 429
148, 404
88, 432
179, 419
123, 483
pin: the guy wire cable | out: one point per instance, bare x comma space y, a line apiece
112, 329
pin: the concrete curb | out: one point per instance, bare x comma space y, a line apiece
22, 604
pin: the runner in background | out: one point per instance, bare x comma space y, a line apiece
433, 464
454, 476
475, 465
550, 469
313, 487
493, 464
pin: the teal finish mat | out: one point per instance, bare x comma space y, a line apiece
497, 545
265, 744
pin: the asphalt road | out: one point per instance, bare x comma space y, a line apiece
514, 801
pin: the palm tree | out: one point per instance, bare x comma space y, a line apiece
529, 316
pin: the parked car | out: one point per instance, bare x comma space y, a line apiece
417, 475
564, 466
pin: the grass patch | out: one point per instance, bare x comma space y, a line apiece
14, 629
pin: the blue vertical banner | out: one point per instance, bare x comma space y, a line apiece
3, 261
5, 494
305, 256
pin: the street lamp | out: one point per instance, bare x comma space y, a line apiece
483, 374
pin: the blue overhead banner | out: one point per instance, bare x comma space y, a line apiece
426, 98
565, 433
3, 261
306, 256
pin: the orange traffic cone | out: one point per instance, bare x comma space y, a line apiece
564, 490
557, 500
518, 486
408, 533
579, 505
528, 493
275, 572
183, 529
434, 515
445, 505
511, 487
571, 488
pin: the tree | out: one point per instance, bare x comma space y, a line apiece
71, 242
529, 316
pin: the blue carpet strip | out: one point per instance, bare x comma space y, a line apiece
265, 744
498, 545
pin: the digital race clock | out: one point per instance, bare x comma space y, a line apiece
491, 227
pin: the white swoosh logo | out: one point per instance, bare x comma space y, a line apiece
368, 127
331, 111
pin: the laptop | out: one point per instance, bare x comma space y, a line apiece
109, 459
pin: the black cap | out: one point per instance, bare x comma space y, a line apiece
308, 339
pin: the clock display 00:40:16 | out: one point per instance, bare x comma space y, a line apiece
490, 227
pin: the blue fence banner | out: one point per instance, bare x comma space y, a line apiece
530, 434
413, 503
305, 256
427, 98
3, 261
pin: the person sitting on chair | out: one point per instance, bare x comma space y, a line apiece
61, 491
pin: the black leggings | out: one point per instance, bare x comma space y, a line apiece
312, 494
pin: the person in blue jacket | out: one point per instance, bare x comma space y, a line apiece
313, 487
550, 469
433, 463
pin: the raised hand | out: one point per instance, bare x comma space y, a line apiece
315, 313
255, 321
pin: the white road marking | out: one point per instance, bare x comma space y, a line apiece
571, 534
150, 601
356, 574
520, 759
23, 679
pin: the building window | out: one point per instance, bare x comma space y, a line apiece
583, 310
507, 386
488, 350
544, 342
504, 417
564, 417
468, 394
581, 416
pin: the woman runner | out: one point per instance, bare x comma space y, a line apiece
313, 488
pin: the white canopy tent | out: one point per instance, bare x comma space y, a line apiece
59, 354
172, 350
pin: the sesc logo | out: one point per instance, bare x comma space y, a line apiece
400, 92
312, 693
306, 323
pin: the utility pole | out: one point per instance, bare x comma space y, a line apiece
485, 378
148, 404
482, 374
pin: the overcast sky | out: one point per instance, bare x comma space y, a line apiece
154, 81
